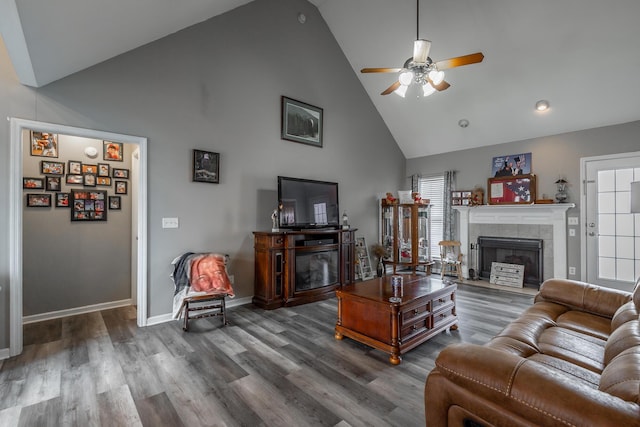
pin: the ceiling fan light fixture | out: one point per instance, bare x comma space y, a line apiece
406, 77
401, 91
427, 89
421, 50
436, 76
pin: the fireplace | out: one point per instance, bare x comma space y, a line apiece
316, 269
509, 250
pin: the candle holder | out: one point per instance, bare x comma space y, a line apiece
561, 195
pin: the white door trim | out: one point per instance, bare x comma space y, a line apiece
15, 217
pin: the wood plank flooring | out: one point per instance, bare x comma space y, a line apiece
266, 368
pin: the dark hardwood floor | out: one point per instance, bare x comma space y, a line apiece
266, 368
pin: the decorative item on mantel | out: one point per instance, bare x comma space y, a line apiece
345, 221
561, 195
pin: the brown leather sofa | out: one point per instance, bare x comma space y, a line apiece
571, 359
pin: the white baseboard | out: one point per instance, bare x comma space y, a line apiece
230, 302
74, 311
4, 353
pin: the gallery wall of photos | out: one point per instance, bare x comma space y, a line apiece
89, 189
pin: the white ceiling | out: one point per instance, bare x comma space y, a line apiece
581, 55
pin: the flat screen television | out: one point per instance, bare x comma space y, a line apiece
308, 204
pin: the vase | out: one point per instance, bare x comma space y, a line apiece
380, 268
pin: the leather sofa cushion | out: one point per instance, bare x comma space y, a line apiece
578, 373
582, 350
585, 323
623, 338
624, 314
621, 377
583, 296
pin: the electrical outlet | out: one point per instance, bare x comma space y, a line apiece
572, 232
573, 220
572, 271
170, 223
232, 278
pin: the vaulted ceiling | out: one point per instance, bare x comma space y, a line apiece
583, 56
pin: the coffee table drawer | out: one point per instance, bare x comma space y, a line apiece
442, 301
408, 331
415, 312
444, 315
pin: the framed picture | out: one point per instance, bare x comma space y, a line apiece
38, 200
44, 144
103, 169
460, 198
88, 205
301, 122
51, 168
62, 200
74, 179
114, 203
121, 187
53, 183
511, 165
89, 169
89, 180
112, 151
103, 181
75, 167
512, 190
120, 173
206, 166
33, 183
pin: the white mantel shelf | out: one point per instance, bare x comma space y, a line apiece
554, 214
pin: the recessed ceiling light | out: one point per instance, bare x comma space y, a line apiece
542, 105
463, 123
302, 18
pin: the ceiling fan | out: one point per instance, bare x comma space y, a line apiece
421, 70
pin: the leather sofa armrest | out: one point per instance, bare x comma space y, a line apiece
481, 379
583, 296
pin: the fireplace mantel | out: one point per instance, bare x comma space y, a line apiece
554, 214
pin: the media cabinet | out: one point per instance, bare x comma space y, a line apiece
298, 267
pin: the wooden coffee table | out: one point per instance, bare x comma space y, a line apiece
365, 314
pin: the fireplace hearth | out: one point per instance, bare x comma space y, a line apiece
526, 252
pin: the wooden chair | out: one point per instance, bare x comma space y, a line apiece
450, 258
204, 306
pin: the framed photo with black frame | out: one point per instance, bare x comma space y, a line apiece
121, 187
51, 168
53, 183
115, 203
62, 200
120, 173
301, 122
44, 144
206, 166
33, 183
39, 200
88, 205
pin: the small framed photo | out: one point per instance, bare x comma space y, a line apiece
301, 122
38, 200
89, 180
62, 200
516, 190
89, 169
112, 151
120, 173
206, 166
88, 205
53, 183
44, 144
33, 183
75, 167
121, 187
103, 181
114, 203
74, 179
103, 169
51, 168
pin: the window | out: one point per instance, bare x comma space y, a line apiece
432, 188
320, 213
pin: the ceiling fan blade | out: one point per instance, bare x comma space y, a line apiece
460, 61
443, 85
380, 70
391, 88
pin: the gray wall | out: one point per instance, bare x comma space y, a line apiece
552, 157
66, 263
217, 86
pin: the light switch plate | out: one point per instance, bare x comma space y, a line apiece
572, 232
170, 223
573, 220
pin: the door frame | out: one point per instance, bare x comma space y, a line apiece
17, 126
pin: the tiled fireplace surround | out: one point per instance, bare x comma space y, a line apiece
547, 222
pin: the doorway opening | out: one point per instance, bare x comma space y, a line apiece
139, 221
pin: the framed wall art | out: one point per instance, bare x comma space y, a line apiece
301, 122
112, 151
89, 169
103, 181
512, 190
206, 166
103, 169
75, 167
74, 179
511, 165
88, 205
114, 203
120, 173
121, 187
51, 168
89, 180
44, 144
33, 183
38, 200
53, 183
62, 200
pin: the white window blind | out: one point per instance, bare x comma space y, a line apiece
432, 188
